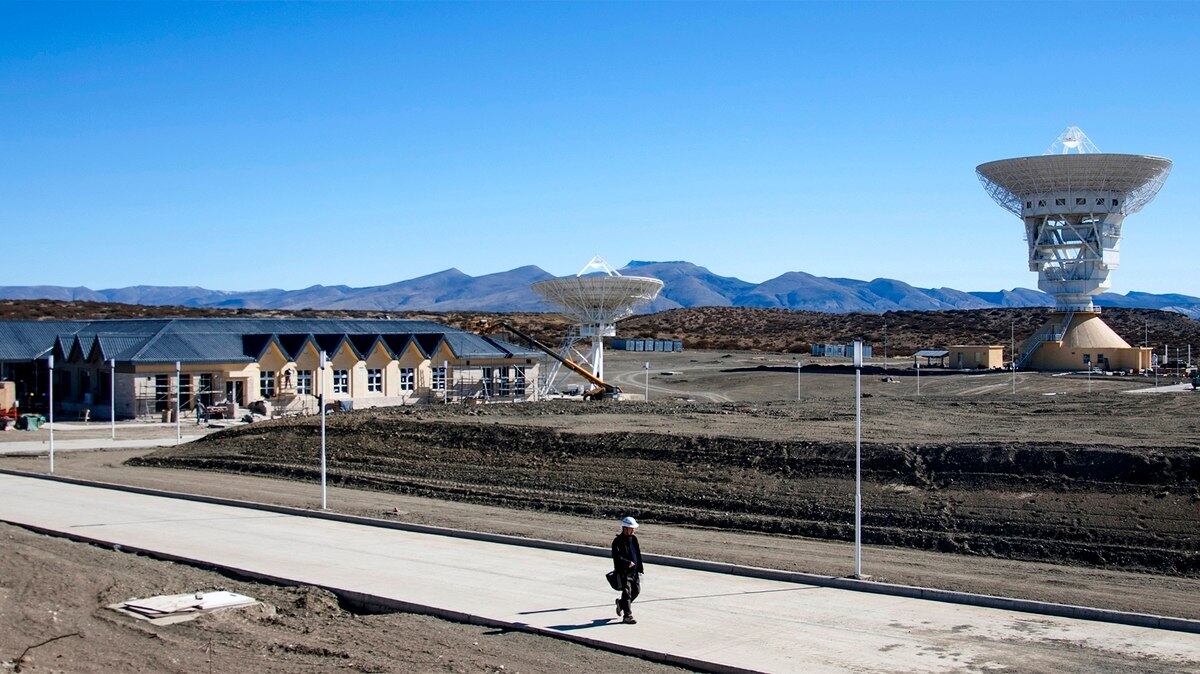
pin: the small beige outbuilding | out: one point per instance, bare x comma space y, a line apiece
976, 356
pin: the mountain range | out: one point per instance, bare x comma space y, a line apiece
685, 285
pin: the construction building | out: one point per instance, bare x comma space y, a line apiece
839, 350
976, 356
244, 361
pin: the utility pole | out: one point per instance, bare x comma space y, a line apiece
858, 460
1012, 349
885, 347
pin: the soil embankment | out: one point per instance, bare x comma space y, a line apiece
1062, 498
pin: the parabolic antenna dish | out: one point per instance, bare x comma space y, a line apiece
1136, 178
599, 298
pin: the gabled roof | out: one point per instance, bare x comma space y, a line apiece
214, 340
293, 345
76, 351
120, 347
397, 344
26, 340
331, 344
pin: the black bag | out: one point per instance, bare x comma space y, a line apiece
614, 580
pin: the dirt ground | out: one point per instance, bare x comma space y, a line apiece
51, 587
1104, 479
746, 376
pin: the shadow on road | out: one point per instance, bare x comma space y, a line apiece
661, 599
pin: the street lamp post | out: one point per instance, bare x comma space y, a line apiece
112, 396
50, 363
321, 399
178, 403
858, 459
646, 367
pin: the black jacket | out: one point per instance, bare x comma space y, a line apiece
625, 549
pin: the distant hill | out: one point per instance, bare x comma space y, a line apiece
686, 285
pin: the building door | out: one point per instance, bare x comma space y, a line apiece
235, 391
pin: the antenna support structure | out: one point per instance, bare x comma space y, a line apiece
594, 300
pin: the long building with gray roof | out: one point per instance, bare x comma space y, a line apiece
137, 365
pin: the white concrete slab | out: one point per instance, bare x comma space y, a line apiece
730, 620
1173, 388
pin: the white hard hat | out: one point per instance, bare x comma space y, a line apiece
629, 522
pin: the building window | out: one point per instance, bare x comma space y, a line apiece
375, 380
505, 383
1100, 201
204, 388
408, 377
1041, 203
266, 384
439, 379
1028, 204
1060, 202
162, 388
1080, 201
304, 385
488, 385
1115, 202
519, 381
105, 386
341, 381
185, 391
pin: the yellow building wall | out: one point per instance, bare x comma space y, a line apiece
1054, 356
970, 356
413, 358
381, 359
346, 359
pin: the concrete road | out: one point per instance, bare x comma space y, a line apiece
716, 618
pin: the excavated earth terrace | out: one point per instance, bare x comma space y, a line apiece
1065, 481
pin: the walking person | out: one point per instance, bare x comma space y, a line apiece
627, 563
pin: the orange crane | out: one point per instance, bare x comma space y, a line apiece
600, 388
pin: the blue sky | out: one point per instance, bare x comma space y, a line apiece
255, 145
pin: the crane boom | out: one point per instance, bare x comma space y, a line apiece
599, 386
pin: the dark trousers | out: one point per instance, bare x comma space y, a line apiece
631, 587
